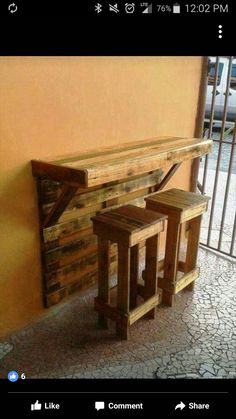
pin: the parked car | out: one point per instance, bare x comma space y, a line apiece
221, 90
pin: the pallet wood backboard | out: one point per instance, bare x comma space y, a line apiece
69, 248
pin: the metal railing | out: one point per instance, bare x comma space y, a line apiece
219, 227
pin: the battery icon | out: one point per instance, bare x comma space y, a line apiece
176, 8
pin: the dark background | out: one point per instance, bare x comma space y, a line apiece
159, 397
73, 27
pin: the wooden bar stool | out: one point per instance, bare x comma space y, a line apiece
180, 206
127, 226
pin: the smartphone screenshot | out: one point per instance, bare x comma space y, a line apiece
118, 209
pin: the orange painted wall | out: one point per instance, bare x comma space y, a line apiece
57, 105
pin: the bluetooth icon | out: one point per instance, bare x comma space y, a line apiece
98, 8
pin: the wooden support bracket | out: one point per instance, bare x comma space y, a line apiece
67, 193
168, 176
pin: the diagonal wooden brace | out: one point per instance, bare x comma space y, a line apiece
168, 176
67, 193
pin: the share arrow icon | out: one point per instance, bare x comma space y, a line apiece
181, 406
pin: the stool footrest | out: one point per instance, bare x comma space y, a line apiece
143, 309
111, 312
140, 290
181, 268
114, 314
181, 283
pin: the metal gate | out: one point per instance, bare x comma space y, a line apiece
217, 171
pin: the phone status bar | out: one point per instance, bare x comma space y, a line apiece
104, 8
154, 8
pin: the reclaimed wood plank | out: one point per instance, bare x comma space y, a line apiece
123, 291
192, 247
103, 277
120, 168
73, 226
64, 255
85, 200
64, 229
145, 308
75, 271
110, 149
129, 161
151, 271
54, 297
67, 274
59, 173
178, 199
107, 310
134, 274
171, 258
64, 240
181, 283
179, 205
50, 188
67, 215
125, 154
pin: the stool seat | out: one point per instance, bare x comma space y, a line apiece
178, 204
180, 207
127, 226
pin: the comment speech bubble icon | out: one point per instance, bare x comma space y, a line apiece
99, 405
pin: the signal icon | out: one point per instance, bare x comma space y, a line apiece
148, 8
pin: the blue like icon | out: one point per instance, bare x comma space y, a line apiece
13, 376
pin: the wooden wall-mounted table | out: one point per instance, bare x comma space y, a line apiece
74, 188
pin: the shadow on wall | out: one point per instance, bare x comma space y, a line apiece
21, 272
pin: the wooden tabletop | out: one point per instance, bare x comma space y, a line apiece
97, 167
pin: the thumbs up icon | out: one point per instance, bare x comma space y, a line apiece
13, 376
36, 406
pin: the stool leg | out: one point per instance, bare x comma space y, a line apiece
171, 259
134, 274
103, 277
123, 292
151, 270
167, 298
192, 247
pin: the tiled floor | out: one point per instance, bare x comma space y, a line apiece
194, 339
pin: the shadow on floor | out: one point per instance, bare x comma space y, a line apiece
195, 338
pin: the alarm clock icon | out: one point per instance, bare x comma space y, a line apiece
129, 7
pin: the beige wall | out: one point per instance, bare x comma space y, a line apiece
58, 105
